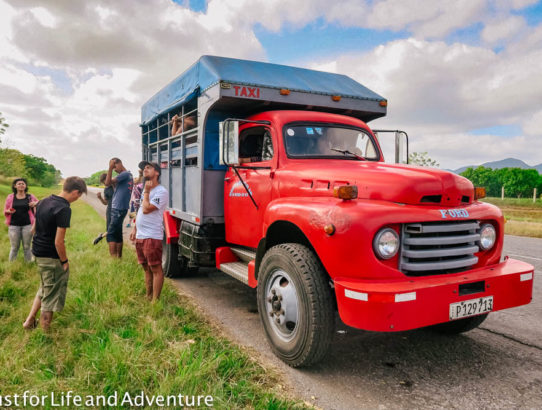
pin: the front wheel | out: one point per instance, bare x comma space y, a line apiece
459, 326
295, 303
172, 265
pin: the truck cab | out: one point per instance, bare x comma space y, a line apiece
283, 186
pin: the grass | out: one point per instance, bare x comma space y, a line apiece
523, 217
110, 339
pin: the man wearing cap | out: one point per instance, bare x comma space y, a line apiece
148, 230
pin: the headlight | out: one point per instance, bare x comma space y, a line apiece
488, 235
386, 243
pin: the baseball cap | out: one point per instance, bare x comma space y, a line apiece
143, 164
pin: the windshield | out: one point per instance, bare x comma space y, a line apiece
324, 140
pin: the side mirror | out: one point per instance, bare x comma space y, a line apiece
229, 142
401, 147
395, 149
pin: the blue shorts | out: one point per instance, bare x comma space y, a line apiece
114, 230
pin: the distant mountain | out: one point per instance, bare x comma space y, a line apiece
503, 163
463, 169
507, 163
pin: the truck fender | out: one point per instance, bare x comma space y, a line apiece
171, 228
288, 220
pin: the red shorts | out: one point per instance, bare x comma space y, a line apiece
149, 251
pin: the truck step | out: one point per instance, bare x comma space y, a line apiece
246, 255
238, 270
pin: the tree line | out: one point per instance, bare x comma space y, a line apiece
14, 163
517, 182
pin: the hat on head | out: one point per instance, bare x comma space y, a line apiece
143, 164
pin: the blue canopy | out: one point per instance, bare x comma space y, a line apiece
210, 70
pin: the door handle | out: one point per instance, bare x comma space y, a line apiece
227, 179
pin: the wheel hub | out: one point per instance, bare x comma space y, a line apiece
281, 306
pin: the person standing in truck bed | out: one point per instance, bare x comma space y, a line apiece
178, 126
119, 204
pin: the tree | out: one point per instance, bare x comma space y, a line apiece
488, 178
11, 162
422, 159
94, 179
14, 163
3, 125
516, 181
520, 182
39, 171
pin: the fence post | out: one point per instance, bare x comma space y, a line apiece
502, 193
534, 196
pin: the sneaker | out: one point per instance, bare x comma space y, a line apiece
98, 238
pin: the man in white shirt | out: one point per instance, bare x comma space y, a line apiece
148, 230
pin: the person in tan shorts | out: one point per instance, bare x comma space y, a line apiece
53, 216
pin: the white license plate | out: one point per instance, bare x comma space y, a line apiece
471, 307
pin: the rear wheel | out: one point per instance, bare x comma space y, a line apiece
459, 326
295, 303
172, 265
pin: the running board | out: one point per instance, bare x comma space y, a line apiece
239, 263
237, 270
243, 254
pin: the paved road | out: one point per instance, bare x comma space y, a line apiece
498, 366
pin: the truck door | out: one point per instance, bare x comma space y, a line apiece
256, 156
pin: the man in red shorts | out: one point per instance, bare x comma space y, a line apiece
148, 230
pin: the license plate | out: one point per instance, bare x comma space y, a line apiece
471, 307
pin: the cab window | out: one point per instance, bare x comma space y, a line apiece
255, 145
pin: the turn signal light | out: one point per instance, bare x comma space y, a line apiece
479, 192
383, 103
336, 97
346, 192
284, 91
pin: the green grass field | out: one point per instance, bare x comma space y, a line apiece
110, 339
523, 217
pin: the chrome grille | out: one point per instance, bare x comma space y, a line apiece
431, 248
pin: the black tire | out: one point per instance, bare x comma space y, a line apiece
459, 326
306, 340
172, 266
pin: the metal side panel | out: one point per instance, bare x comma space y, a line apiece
213, 193
193, 190
237, 270
176, 188
164, 178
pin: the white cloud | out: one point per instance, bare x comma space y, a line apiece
533, 127
502, 29
44, 17
115, 55
440, 92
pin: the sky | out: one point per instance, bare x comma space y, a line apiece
462, 77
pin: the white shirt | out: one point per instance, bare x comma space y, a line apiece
151, 225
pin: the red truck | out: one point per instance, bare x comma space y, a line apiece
276, 179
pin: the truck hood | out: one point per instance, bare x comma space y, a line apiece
406, 184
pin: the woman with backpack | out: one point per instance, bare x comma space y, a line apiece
19, 212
